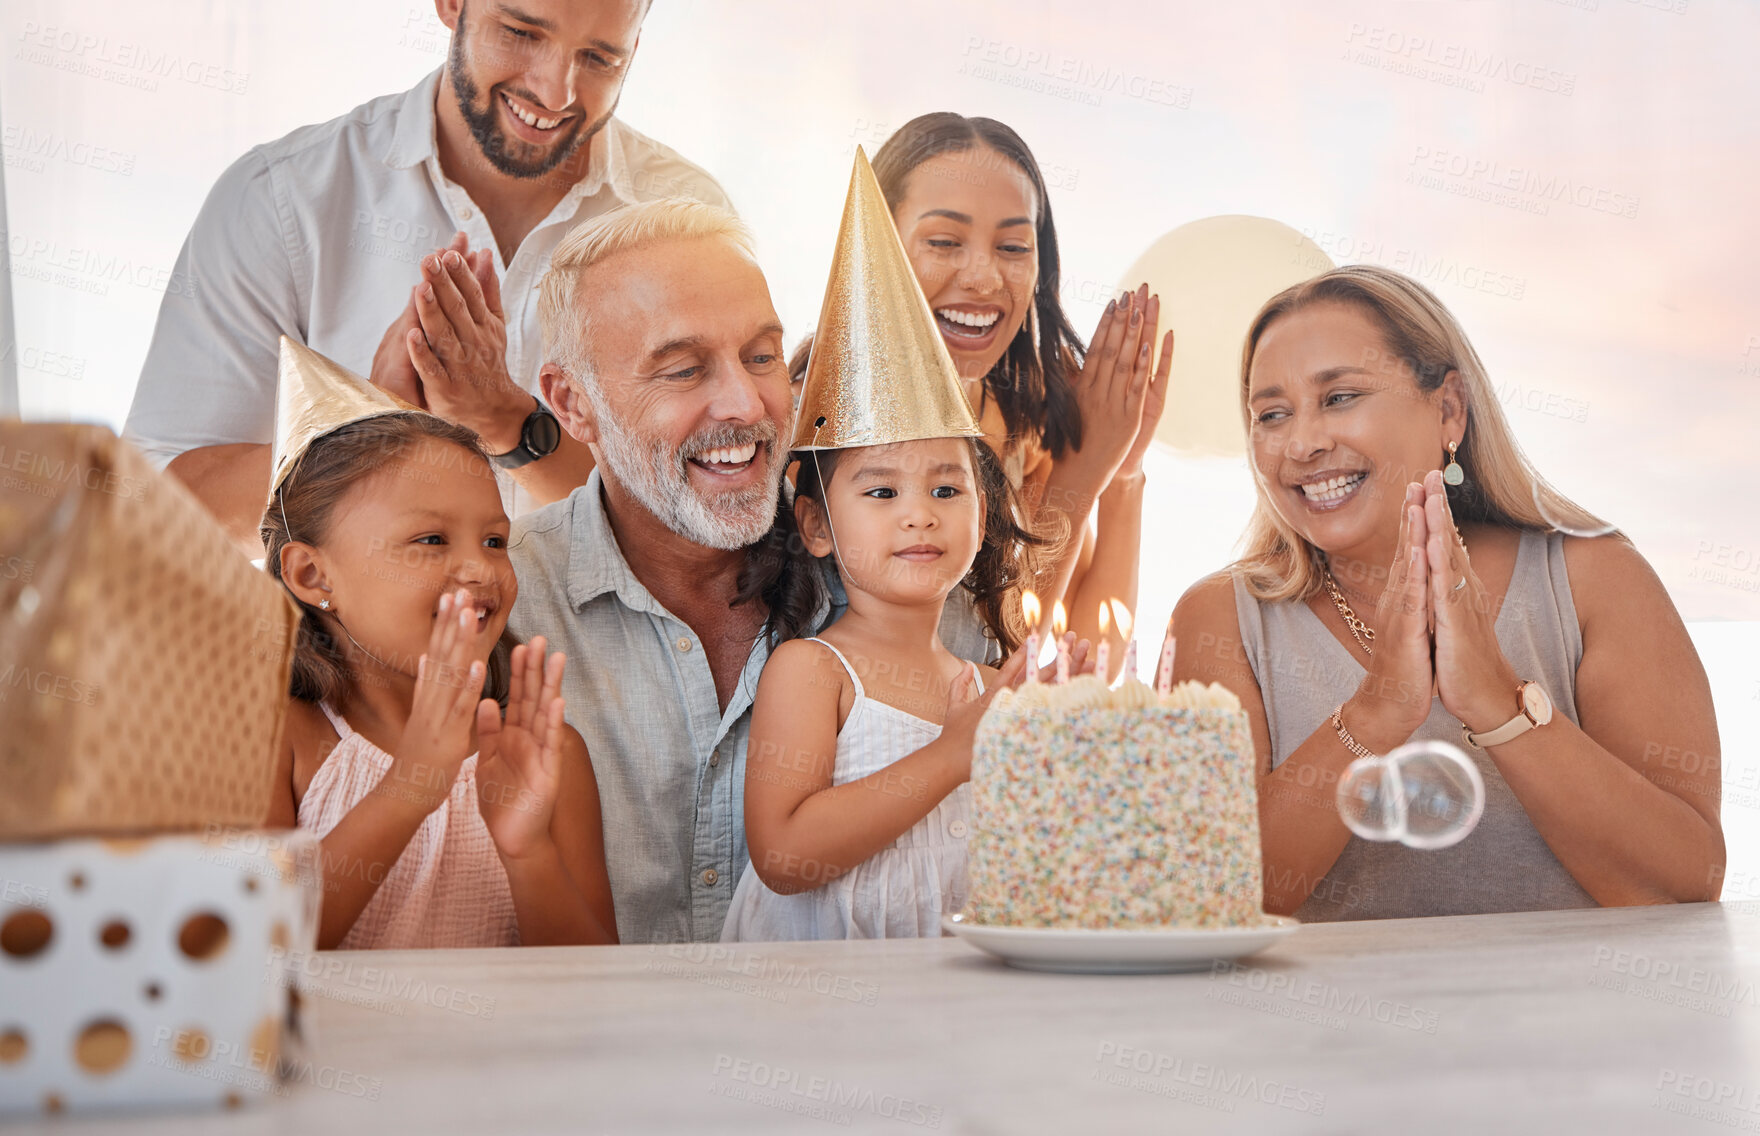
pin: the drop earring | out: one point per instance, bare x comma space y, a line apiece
1452, 473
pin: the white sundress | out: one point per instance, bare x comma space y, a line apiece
901, 891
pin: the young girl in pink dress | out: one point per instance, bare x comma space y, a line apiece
425, 748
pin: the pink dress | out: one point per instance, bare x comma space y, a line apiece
448, 889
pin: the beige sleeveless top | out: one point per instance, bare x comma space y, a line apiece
448, 889
1503, 865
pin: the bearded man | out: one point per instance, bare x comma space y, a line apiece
444, 201
662, 347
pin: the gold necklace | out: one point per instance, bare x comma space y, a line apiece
1364, 634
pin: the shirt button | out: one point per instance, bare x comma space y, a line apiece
684, 644
715, 757
958, 829
710, 875
467, 213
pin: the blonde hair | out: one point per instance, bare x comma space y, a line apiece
1501, 486
564, 324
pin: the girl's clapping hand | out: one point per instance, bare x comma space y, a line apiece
965, 708
519, 762
437, 737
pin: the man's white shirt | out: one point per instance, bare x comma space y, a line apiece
319, 236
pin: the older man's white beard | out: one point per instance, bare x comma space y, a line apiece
655, 475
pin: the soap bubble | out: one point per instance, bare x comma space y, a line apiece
1368, 804
1423, 794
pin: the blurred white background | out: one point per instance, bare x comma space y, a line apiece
1575, 178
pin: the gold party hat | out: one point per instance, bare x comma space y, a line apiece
317, 396
879, 371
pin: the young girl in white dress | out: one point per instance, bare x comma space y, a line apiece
856, 799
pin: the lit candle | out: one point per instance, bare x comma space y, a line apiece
1060, 624
1122, 616
1103, 653
1032, 612
1164, 673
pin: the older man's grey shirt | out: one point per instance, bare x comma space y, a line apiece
670, 762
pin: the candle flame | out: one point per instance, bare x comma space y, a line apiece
1105, 619
1059, 619
1031, 611
1122, 615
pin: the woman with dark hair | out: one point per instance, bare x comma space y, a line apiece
1409, 576
1069, 424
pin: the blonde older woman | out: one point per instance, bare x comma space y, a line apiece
1409, 576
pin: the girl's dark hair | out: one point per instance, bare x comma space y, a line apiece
1032, 381
302, 510
788, 578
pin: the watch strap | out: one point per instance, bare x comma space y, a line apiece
1514, 728
522, 452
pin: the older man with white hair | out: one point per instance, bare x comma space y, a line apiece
663, 348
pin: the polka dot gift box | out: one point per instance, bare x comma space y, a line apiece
153, 972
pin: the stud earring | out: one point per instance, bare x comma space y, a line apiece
1452, 473
324, 605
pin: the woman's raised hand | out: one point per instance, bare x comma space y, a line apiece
519, 758
437, 737
1473, 678
1114, 382
1394, 698
1154, 398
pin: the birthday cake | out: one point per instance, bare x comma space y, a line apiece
1114, 809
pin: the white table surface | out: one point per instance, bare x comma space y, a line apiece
1579, 1021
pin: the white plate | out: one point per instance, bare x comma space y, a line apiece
1073, 950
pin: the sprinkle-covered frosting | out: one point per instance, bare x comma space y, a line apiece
1108, 809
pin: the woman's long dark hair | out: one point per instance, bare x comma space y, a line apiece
1032, 381
787, 577
303, 509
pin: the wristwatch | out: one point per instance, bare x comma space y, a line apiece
538, 438
1533, 708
